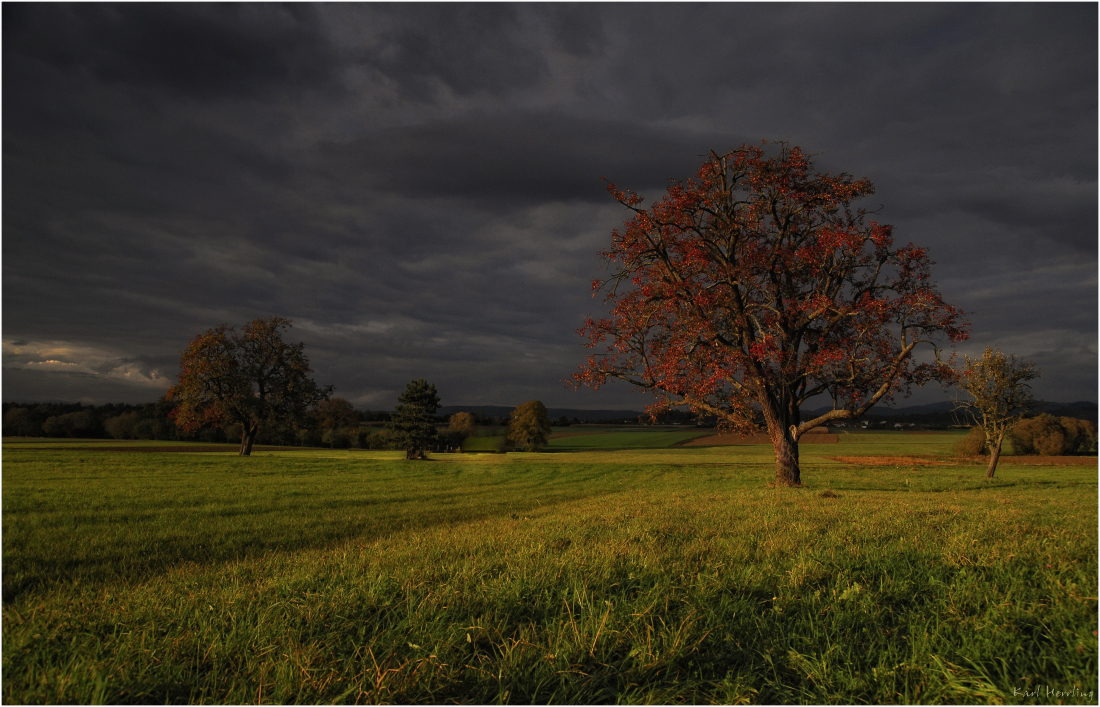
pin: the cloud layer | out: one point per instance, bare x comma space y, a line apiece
419, 186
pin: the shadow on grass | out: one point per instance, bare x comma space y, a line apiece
128, 543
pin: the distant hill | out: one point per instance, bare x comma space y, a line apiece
1082, 410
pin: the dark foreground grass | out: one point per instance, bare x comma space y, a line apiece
662, 576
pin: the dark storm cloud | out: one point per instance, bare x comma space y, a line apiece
524, 157
419, 186
1062, 209
201, 50
467, 48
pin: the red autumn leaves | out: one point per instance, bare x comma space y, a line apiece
757, 285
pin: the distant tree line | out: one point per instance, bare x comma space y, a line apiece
337, 424
332, 423
154, 421
75, 420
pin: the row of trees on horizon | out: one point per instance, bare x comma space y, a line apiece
334, 423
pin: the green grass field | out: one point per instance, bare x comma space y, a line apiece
625, 569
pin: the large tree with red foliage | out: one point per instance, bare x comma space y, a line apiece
756, 286
246, 378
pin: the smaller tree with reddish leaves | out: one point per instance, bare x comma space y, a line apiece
756, 287
248, 378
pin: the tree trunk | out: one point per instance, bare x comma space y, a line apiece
248, 437
787, 472
994, 455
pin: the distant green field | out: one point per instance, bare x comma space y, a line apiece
484, 444
617, 573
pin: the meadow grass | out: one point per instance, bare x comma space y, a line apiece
660, 575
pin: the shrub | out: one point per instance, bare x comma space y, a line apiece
308, 437
337, 439
73, 424
972, 445
121, 426
19, 421
52, 427
1080, 435
451, 440
1042, 435
145, 429
375, 439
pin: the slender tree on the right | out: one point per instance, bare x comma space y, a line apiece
1000, 393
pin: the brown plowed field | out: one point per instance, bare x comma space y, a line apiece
729, 439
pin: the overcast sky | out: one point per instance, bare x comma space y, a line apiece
419, 186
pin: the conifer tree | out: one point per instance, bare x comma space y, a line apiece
412, 423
